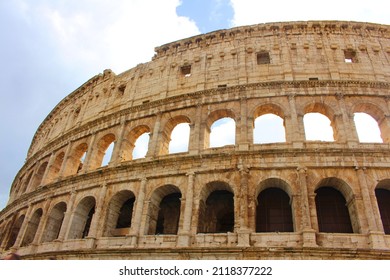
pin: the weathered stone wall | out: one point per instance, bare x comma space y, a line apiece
60, 207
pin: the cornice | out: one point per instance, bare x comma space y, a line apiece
274, 29
152, 106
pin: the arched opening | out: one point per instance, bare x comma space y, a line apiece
216, 209
55, 168
164, 210
15, 232
332, 211
180, 138
82, 218
75, 162
169, 214
136, 143
367, 128
269, 128
39, 176
175, 135
17, 188
54, 222
119, 215
383, 200
103, 152
141, 146
223, 132
108, 154
26, 183
3, 226
273, 212
318, 127
32, 228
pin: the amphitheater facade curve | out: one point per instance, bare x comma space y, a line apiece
292, 199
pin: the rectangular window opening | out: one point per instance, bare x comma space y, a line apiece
350, 56
263, 58
186, 70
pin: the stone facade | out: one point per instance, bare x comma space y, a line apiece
207, 203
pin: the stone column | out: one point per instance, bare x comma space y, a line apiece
96, 220
7, 232
349, 129
32, 179
376, 236
42, 224
297, 128
23, 228
308, 233
86, 165
139, 205
242, 140
64, 163
67, 218
44, 180
5, 235
384, 125
154, 137
116, 157
242, 199
194, 145
184, 239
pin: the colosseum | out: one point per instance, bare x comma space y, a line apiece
289, 198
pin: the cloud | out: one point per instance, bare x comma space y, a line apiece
367, 128
180, 138
49, 48
317, 127
223, 132
253, 11
119, 33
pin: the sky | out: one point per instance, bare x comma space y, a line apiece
50, 47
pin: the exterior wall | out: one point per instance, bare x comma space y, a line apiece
307, 72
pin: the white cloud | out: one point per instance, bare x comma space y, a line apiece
223, 132
141, 146
180, 138
367, 128
317, 127
269, 129
115, 34
254, 11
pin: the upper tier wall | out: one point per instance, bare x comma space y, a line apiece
292, 51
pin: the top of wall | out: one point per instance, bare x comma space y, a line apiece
273, 29
158, 79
